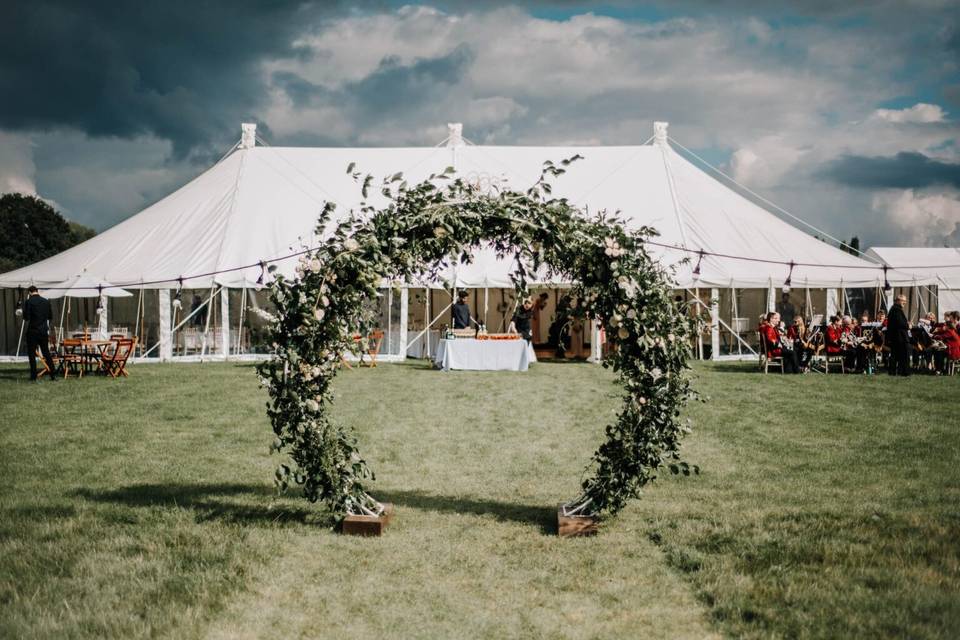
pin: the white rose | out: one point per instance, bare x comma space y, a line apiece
351, 245
623, 333
312, 404
318, 314
315, 265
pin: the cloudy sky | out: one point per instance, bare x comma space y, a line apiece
846, 115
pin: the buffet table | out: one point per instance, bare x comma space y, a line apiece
484, 355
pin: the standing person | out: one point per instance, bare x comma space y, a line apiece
538, 306
898, 337
786, 308
37, 314
521, 320
461, 312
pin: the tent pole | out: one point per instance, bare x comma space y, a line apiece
20, 339
165, 344
63, 309
734, 313
404, 310
390, 319
427, 322
206, 325
225, 323
243, 306
486, 304
699, 302
696, 293
714, 323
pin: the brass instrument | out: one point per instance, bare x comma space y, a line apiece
785, 341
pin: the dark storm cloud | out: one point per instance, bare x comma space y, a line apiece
187, 72
392, 88
906, 170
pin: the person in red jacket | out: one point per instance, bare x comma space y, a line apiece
834, 343
776, 348
948, 334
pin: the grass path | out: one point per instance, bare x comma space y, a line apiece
472, 552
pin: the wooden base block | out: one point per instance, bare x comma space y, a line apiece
575, 526
367, 525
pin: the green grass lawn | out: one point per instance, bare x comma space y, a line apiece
827, 507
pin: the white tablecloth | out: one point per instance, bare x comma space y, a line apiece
418, 348
484, 355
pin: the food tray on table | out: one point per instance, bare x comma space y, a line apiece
498, 336
464, 333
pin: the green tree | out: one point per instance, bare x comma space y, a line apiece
31, 230
852, 247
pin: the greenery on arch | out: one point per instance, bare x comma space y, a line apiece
319, 312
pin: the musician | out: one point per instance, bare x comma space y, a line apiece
898, 337
776, 345
852, 357
802, 342
882, 318
461, 312
834, 341
949, 334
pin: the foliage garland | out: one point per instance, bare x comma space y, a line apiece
320, 311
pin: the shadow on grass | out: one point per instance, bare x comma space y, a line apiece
538, 515
734, 367
211, 502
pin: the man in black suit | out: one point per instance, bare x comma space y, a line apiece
37, 315
898, 337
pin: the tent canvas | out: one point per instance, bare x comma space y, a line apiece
261, 203
941, 265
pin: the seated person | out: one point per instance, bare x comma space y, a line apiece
949, 334
802, 342
776, 348
834, 337
461, 312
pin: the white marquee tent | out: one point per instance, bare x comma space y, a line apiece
939, 264
261, 203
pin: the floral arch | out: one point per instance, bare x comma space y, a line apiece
421, 226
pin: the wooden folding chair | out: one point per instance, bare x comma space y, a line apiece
765, 360
54, 355
373, 347
72, 357
115, 363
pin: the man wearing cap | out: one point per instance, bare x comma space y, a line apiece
37, 316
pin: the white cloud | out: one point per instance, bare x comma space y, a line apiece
924, 218
921, 113
17, 169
